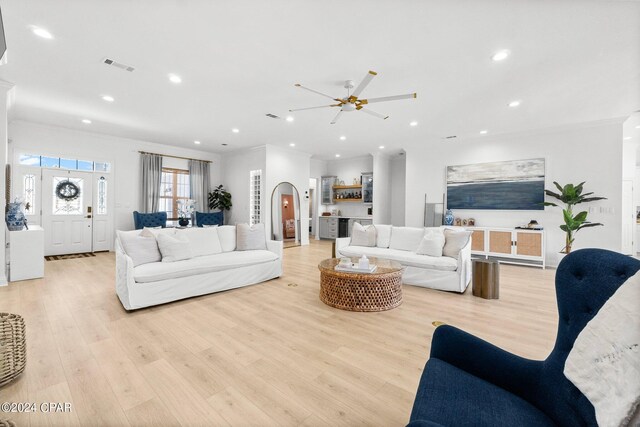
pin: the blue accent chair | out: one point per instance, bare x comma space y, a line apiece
469, 382
156, 219
209, 218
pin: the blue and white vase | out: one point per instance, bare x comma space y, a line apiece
448, 217
15, 217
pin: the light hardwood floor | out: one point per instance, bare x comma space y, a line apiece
269, 354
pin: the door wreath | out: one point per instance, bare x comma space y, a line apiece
67, 190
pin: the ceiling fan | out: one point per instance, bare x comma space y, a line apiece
352, 102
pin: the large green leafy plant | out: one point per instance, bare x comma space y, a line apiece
220, 198
572, 195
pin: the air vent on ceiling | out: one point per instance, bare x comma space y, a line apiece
450, 137
273, 116
117, 64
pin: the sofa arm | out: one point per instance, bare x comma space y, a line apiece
513, 373
464, 266
124, 275
276, 247
341, 243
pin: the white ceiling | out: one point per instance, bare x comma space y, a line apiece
572, 61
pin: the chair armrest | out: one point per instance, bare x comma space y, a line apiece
513, 373
276, 247
341, 242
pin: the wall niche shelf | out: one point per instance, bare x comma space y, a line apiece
347, 187
356, 199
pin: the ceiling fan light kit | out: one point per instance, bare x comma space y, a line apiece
352, 102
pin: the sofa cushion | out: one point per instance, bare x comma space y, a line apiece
384, 235
432, 243
141, 250
454, 241
406, 238
200, 265
450, 396
174, 247
250, 238
227, 236
363, 236
155, 231
405, 258
203, 241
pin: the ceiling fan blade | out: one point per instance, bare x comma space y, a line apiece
335, 119
313, 108
316, 92
389, 98
373, 113
364, 83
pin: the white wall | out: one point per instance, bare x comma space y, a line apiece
235, 177
397, 189
347, 170
591, 153
32, 138
318, 168
6, 93
381, 189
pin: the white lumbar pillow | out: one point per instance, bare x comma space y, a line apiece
604, 363
432, 243
227, 236
203, 241
155, 231
363, 236
173, 248
384, 235
250, 238
141, 250
454, 241
406, 238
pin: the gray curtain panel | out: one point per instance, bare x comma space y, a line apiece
199, 184
151, 170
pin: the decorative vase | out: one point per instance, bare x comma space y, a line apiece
183, 222
448, 217
15, 217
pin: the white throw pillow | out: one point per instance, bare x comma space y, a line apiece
384, 235
604, 363
173, 248
432, 243
363, 236
203, 241
250, 238
454, 241
155, 231
227, 236
406, 238
141, 250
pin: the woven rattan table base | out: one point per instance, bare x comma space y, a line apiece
361, 292
13, 347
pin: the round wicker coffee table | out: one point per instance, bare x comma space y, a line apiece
378, 291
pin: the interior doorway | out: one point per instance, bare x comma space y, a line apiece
285, 214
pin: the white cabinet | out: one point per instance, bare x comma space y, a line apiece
515, 246
328, 227
26, 253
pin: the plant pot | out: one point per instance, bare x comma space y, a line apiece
183, 222
15, 217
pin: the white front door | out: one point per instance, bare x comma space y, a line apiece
67, 211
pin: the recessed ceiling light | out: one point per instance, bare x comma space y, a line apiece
626, 138
235, 130
41, 32
86, 121
289, 118
196, 142
292, 145
483, 132
500, 55
337, 155
342, 138
108, 98
514, 104
413, 123
381, 147
174, 78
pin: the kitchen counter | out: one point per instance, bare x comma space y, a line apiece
348, 217
334, 226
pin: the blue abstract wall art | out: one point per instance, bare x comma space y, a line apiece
510, 185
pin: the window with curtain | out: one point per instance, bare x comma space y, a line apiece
174, 186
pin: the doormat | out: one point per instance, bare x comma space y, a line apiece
70, 256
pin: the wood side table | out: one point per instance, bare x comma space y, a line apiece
377, 291
486, 278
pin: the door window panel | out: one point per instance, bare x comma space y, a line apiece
62, 206
29, 186
102, 196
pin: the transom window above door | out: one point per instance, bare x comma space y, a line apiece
174, 186
63, 163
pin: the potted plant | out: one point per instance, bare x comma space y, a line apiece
185, 210
572, 195
220, 199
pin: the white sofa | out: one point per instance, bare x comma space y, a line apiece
160, 282
436, 272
